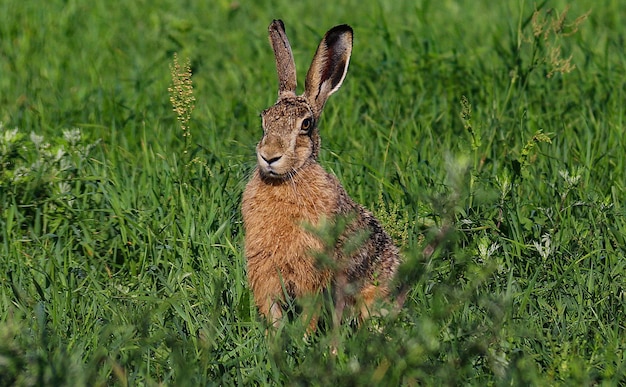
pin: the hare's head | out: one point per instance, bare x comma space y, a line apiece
290, 135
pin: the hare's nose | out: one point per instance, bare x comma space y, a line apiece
271, 160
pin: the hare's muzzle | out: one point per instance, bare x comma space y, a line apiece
270, 164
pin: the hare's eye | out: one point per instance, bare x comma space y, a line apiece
307, 125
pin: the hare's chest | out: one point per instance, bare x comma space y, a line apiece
278, 219
283, 210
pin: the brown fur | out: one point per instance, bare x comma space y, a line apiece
290, 190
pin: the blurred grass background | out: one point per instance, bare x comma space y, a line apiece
121, 255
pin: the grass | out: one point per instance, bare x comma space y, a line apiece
500, 172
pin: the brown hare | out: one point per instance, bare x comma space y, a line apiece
290, 192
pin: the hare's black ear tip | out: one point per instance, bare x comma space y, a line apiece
277, 23
341, 29
336, 33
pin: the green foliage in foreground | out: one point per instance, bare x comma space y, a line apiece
490, 142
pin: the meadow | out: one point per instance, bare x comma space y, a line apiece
488, 137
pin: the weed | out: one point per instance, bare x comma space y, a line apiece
181, 96
548, 30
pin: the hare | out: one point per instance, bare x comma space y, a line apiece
289, 191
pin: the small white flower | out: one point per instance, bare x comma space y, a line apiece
571, 180
486, 249
9, 135
64, 187
492, 249
60, 153
544, 248
36, 139
72, 136
65, 165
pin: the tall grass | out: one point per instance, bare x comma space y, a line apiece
488, 137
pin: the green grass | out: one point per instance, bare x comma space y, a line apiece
121, 255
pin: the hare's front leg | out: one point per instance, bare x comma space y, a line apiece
275, 314
267, 293
367, 297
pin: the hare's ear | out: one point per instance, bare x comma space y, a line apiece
329, 66
285, 65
